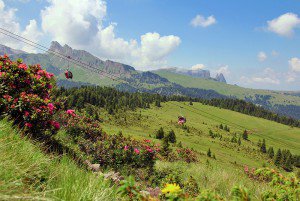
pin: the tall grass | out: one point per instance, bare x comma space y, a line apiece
214, 177
27, 173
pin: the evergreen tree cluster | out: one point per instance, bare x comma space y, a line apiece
109, 98
225, 128
112, 100
283, 158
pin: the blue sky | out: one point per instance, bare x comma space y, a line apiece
254, 43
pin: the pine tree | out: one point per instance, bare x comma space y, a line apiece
288, 164
245, 135
157, 103
171, 136
165, 147
160, 134
221, 126
225, 128
239, 141
209, 153
263, 146
278, 158
271, 152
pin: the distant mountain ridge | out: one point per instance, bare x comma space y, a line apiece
196, 73
165, 82
9, 51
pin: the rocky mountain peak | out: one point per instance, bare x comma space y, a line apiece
220, 78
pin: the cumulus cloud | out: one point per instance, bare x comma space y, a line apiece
200, 20
8, 20
268, 76
295, 64
80, 24
285, 24
224, 70
262, 56
198, 67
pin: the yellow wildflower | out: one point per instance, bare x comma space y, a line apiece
171, 188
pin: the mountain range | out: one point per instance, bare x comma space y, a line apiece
171, 81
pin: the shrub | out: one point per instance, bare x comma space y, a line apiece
25, 96
115, 151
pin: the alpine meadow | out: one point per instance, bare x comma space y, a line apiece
149, 100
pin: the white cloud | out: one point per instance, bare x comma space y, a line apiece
200, 20
8, 20
224, 70
80, 24
291, 77
262, 56
295, 64
198, 67
285, 24
268, 76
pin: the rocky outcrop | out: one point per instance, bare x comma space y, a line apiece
220, 78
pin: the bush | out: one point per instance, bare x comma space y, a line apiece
115, 151
25, 96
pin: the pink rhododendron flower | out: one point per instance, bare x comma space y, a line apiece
136, 151
246, 169
49, 86
147, 141
150, 150
26, 113
51, 106
56, 125
126, 148
49, 75
29, 125
23, 66
71, 112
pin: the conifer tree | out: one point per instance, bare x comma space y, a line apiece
288, 164
221, 126
271, 152
172, 136
239, 141
263, 146
160, 134
278, 158
209, 153
245, 135
165, 147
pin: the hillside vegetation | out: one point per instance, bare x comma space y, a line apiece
135, 139
28, 174
285, 103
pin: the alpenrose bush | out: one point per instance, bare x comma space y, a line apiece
25, 96
284, 188
113, 151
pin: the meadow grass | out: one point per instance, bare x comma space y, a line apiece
27, 173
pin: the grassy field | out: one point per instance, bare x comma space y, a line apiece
227, 89
27, 174
227, 169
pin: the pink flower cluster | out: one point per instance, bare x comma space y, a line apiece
71, 113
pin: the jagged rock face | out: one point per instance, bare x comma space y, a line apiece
199, 73
9, 51
220, 78
112, 67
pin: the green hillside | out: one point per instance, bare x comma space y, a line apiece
229, 90
26, 173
